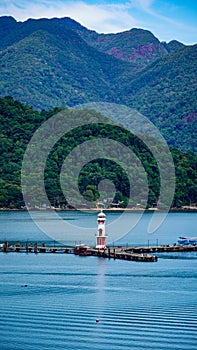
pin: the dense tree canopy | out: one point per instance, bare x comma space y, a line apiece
18, 124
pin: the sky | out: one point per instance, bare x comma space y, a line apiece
167, 20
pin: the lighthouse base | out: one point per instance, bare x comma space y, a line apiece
100, 246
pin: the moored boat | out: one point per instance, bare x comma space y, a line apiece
187, 240
82, 250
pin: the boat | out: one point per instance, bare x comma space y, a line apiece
187, 240
82, 250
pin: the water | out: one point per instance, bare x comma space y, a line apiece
52, 301
18, 225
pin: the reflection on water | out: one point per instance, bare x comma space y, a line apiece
51, 301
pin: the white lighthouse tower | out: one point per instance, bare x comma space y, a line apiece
101, 237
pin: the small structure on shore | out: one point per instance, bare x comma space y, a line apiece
101, 236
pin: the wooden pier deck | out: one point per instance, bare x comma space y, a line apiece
117, 253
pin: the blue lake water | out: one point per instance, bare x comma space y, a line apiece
18, 225
52, 301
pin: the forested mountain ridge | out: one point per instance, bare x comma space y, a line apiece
20, 121
60, 68
57, 62
165, 92
135, 45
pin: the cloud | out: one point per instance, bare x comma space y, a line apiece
102, 18
147, 6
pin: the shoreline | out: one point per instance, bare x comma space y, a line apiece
191, 209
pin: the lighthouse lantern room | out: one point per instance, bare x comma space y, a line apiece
101, 237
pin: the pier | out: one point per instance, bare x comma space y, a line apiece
143, 254
110, 253
122, 254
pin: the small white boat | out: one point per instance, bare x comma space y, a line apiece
187, 240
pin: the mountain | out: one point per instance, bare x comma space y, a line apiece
135, 45
8, 25
49, 66
55, 62
173, 45
165, 92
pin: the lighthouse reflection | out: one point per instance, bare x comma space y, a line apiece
100, 284
101, 244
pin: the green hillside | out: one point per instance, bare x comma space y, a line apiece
166, 93
18, 124
136, 45
45, 71
51, 63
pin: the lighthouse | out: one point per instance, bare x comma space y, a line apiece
101, 237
